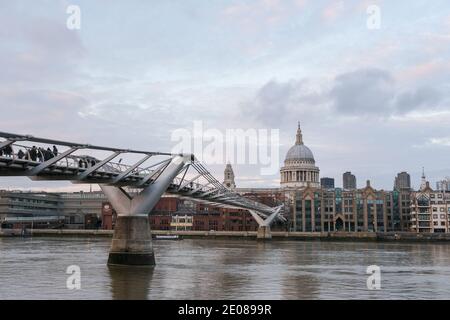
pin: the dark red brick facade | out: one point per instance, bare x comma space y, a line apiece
205, 217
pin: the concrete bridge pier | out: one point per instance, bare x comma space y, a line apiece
263, 233
132, 242
132, 239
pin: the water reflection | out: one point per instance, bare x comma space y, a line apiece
130, 283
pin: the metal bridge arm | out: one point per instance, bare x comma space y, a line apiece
6, 143
163, 165
255, 216
87, 172
144, 202
36, 170
270, 218
127, 172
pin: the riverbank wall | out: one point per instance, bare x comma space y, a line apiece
251, 235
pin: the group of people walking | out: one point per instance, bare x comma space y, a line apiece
7, 151
38, 154
41, 154
34, 153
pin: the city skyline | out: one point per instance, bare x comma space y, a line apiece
239, 153
382, 109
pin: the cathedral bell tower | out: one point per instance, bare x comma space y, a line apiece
228, 180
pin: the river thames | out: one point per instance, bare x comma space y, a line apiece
35, 268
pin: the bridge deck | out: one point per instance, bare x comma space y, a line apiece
19, 158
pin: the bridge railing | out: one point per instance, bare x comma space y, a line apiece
25, 153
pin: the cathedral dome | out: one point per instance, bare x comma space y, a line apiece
299, 166
299, 152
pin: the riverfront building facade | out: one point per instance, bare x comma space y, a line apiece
360, 210
430, 210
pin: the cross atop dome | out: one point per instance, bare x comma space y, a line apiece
299, 138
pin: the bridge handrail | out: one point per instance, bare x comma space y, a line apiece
72, 161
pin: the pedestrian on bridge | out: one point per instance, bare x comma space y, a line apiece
7, 151
33, 153
20, 154
48, 154
55, 151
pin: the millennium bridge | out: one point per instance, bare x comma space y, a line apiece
133, 188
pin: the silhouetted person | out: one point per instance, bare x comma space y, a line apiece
92, 162
55, 151
80, 163
20, 154
33, 153
8, 151
48, 154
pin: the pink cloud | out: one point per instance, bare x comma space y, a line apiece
421, 70
332, 11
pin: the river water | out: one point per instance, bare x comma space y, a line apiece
35, 268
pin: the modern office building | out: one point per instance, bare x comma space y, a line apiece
327, 183
82, 210
443, 185
402, 181
30, 209
348, 181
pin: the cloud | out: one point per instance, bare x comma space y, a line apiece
374, 92
363, 92
276, 103
441, 141
422, 70
333, 10
421, 98
37, 51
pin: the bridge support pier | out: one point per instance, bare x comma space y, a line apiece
132, 240
263, 233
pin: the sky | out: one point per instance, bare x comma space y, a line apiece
374, 101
